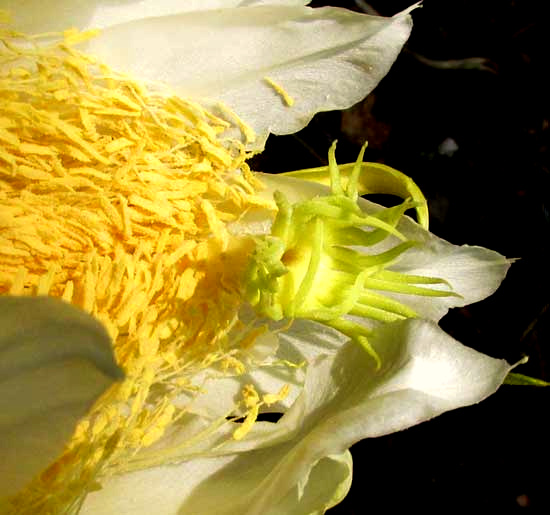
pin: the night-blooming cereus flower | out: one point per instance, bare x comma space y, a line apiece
136, 204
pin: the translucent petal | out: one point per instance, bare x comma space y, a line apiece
55, 360
318, 494
247, 54
323, 58
474, 273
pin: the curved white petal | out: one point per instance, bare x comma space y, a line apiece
332, 62
224, 486
325, 59
55, 360
424, 373
281, 480
419, 361
474, 273
326, 485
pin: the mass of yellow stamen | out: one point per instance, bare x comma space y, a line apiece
117, 197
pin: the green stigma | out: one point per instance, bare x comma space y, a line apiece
309, 266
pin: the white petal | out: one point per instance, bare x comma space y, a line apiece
55, 360
424, 373
330, 64
324, 58
246, 484
282, 480
217, 399
162, 489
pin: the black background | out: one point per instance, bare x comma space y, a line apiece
494, 191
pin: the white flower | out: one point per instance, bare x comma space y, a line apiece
148, 226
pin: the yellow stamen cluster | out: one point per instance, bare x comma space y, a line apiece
116, 197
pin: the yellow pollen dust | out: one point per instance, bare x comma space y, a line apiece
117, 197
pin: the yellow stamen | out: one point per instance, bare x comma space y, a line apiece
288, 100
272, 398
117, 198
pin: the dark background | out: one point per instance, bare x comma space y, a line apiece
474, 135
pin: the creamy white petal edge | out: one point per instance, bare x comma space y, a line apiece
55, 360
325, 59
425, 372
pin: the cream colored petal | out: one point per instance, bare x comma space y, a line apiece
55, 360
235, 485
323, 58
275, 63
424, 373
31, 17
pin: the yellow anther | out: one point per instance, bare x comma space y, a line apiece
272, 398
